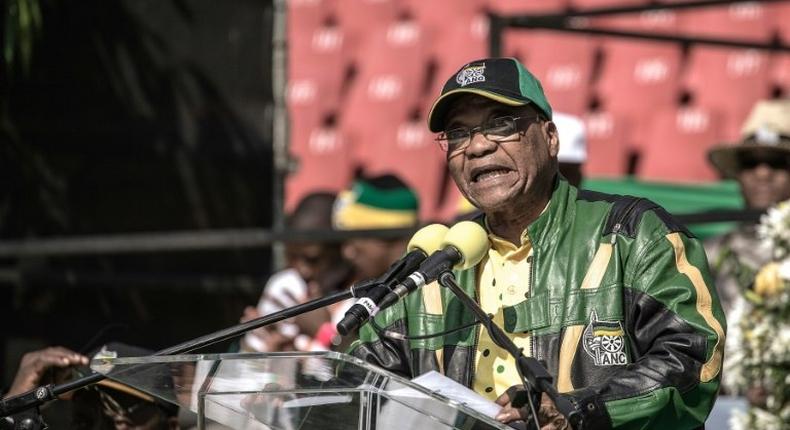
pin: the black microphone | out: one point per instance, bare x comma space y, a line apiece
465, 245
424, 242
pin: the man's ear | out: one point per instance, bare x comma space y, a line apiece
552, 138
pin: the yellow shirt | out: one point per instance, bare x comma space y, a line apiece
503, 281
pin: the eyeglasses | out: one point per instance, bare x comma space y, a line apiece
500, 129
747, 162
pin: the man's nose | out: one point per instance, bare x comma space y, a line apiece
480, 144
763, 170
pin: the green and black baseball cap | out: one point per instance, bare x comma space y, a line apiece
504, 80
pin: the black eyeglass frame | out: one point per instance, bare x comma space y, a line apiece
443, 138
776, 161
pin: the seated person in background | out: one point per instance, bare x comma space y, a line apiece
314, 270
381, 202
318, 269
105, 405
112, 405
760, 163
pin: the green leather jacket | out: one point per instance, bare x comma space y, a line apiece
621, 309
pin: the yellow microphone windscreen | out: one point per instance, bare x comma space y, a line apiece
428, 238
471, 240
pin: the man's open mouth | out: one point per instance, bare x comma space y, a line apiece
488, 172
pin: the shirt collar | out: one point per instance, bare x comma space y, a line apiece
550, 221
504, 246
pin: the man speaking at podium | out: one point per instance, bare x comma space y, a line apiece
609, 292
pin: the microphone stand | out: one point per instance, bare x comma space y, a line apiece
38, 396
535, 377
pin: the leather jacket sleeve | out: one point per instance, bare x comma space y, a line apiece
676, 329
671, 318
385, 345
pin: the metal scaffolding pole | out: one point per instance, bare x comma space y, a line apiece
569, 22
281, 131
198, 240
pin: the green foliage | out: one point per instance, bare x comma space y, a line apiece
23, 25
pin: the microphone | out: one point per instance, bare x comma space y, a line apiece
465, 245
424, 242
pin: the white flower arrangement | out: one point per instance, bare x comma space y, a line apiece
758, 345
774, 230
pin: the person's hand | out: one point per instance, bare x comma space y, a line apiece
269, 338
35, 365
549, 417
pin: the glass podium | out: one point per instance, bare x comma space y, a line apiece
290, 391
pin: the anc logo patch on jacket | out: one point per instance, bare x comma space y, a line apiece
604, 341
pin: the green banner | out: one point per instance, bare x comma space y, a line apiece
679, 199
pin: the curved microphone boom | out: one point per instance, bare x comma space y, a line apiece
465, 245
425, 242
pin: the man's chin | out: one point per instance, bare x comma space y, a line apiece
491, 203
762, 201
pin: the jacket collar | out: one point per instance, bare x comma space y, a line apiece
553, 219
557, 215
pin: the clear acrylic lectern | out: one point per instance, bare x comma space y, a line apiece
323, 390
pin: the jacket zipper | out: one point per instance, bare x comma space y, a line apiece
473, 361
532, 342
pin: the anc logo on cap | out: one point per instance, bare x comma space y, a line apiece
470, 75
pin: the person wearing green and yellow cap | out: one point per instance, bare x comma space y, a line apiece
609, 292
381, 202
